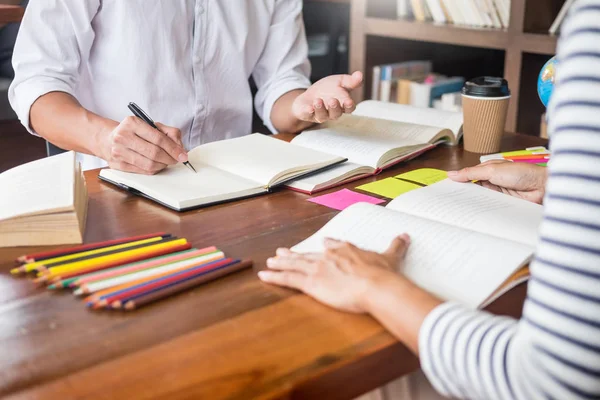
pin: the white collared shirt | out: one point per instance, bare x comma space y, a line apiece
185, 62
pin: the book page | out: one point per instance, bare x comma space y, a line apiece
179, 187
452, 263
364, 140
45, 185
259, 158
330, 176
414, 115
474, 207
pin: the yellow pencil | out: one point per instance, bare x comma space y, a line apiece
110, 260
44, 264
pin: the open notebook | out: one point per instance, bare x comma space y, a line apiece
468, 243
377, 136
226, 170
44, 202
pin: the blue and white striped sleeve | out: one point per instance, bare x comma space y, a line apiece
553, 352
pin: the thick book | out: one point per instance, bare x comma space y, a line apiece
468, 243
377, 136
226, 170
44, 202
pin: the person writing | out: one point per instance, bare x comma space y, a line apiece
78, 63
553, 351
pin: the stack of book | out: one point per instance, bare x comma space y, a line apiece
413, 83
44, 202
127, 273
480, 13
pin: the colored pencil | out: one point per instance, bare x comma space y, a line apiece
103, 298
529, 157
533, 160
86, 255
74, 281
141, 265
60, 252
166, 291
112, 260
96, 286
161, 281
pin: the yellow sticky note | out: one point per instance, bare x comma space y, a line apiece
389, 187
426, 176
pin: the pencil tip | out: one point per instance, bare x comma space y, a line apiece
78, 292
15, 271
52, 287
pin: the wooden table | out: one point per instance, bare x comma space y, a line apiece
236, 338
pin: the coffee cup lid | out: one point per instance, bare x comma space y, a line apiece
486, 86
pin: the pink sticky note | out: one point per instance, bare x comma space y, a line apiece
343, 199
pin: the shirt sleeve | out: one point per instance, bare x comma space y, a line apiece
283, 65
553, 351
55, 36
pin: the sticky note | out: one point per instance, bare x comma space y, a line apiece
426, 176
389, 187
343, 199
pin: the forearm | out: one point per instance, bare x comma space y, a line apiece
282, 116
59, 118
401, 307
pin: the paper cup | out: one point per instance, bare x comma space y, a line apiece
484, 122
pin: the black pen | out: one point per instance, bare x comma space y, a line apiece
138, 112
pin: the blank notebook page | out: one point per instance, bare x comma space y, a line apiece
257, 157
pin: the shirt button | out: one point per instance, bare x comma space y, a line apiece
200, 107
200, 9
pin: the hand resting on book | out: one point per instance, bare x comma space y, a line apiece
522, 180
355, 280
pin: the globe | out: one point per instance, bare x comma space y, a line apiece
545, 83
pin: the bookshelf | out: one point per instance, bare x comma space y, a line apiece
517, 53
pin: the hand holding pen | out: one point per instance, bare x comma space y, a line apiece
141, 114
135, 146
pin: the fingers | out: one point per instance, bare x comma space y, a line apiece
294, 280
399, 246
173, 133
132, 161
157, 138
481, 172
334, 108
321, 113
351, 82
293, 262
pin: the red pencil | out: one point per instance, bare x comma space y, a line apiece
91, 246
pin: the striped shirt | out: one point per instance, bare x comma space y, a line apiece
553, 352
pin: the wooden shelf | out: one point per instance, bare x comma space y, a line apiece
437, 33
10, 14
372, 21
487, 38
537, 43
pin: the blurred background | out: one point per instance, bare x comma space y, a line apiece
416, 52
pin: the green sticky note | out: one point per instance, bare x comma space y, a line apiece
389, 187
426, 176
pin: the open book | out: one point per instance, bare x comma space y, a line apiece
466, 241
376, 136
226, 170
44, 202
